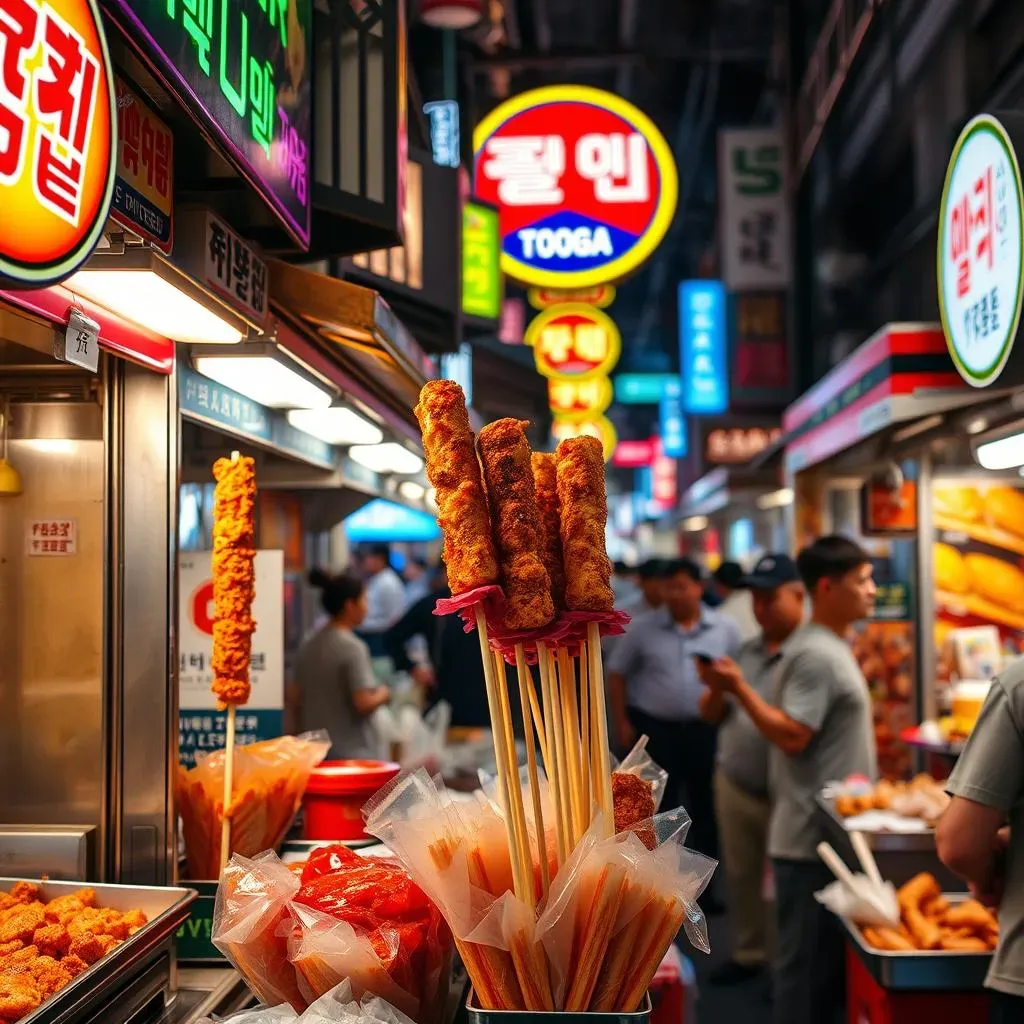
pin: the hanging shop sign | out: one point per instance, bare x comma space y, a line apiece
57, 138
702, 341
571, 399
241, 68
595, 426
664, 480
672, 426
144, 187
754, 219
481, 262
634, 454
888, 512
602, 296
760, 359
574, 341
980, 247
201, 725
585, 182
734, 446
445, 144
646, 388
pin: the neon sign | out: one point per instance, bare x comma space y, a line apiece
702, 343
242, 68
585, 182
574, 340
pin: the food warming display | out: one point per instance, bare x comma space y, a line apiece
922, 798
561, 886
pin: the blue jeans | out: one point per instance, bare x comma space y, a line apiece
810, 967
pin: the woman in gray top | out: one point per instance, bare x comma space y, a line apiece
334, 685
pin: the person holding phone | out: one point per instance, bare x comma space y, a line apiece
655, 690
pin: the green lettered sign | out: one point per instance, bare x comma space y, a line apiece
481, 266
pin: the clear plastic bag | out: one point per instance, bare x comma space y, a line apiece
639, 762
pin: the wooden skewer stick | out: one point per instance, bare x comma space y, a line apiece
500, 751
538, 718
556, 766
571, 724
525, 683
600, 711
585, 713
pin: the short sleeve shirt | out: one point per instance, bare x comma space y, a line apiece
819, 684
655, 657
330, 666
991, 772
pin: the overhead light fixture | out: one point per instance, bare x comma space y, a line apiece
451, 14
52, 445
141, 286
411, 491
1001, 449
389, 457
977, 425
695, 524
337, 425
265, 373
776, 499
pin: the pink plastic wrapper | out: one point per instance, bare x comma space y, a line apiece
492, 598
575, 625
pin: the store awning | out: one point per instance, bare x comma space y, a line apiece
362, 332
901, 373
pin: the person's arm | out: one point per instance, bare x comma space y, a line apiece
714, 705
987, 780
366, 692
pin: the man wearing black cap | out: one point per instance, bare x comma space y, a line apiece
741, 773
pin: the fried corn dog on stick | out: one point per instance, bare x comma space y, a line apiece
234, 548
545, 480
453, 470
584, 514
505, 457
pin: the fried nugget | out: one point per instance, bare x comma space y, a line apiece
584, 512
25, 892
508, 473
19, 996
454, 472
64, 908
545, 481
21, 922
10, 947
52, 940
49, 975
18, 958
87, 948
74, 965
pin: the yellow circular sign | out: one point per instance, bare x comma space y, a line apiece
574, 341
596, 426
573, 399
57, 138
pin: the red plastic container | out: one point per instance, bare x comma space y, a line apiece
335, 796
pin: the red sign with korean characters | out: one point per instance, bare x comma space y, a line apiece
585, 184
574, 341
571, 399
57, 138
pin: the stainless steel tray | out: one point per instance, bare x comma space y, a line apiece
135, 972
926, 970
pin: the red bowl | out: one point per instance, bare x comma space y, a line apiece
335, 796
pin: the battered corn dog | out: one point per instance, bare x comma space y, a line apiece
545, 480
234, 548
453, 470
584, 514
505, 457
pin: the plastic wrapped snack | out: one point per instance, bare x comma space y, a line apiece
269, 782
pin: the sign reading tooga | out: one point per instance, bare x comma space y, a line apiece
574, 341
980, 247
57, 138
585, 184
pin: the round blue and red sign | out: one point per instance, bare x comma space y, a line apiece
585, 184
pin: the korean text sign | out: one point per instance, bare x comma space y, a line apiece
57, 137
980, 249
585, 183
481, 262
702, 343
242, 68
201, 727
574, 341
754, 214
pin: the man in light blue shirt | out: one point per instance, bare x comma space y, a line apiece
655, 690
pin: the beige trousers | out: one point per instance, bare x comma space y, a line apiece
743, 830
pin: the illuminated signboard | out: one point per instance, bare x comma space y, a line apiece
57, 138
585, 182
144, 189
634, 454
672, 426
736, 445
646, 388
602, 296
571, 399
702, 343
597, 426
242, 68
444, 132
481, 262
981, 250
574, 340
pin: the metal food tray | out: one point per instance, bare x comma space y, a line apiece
135, 973
925, 970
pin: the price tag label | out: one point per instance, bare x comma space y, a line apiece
82, 341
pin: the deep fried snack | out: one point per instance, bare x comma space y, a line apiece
505, 457
964, 945
632, 800
52, 940
584, 510
21, 922
64, 908
454, 472
87, 948
50, 977
545, 480
19, 996
74, 965
10, 947
970, 914
234, 548
912, 897
24, 892
23, 956
888, 939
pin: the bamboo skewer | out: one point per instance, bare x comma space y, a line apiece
571, 724
600, 712
555, 766
585, 711
523, 672
538, 717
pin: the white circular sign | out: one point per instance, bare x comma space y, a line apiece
980, 251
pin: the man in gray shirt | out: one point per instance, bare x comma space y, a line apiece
819, 728
981, 835
741, 775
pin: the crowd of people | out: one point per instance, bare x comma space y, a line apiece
752, 700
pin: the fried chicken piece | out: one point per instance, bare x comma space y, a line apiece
508, 473
19, 996
52, 940
545, 481
49, 975
20, 922
454, 472
17, 959
86, 948
584, 511
64, 908
74, 965
25, 892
